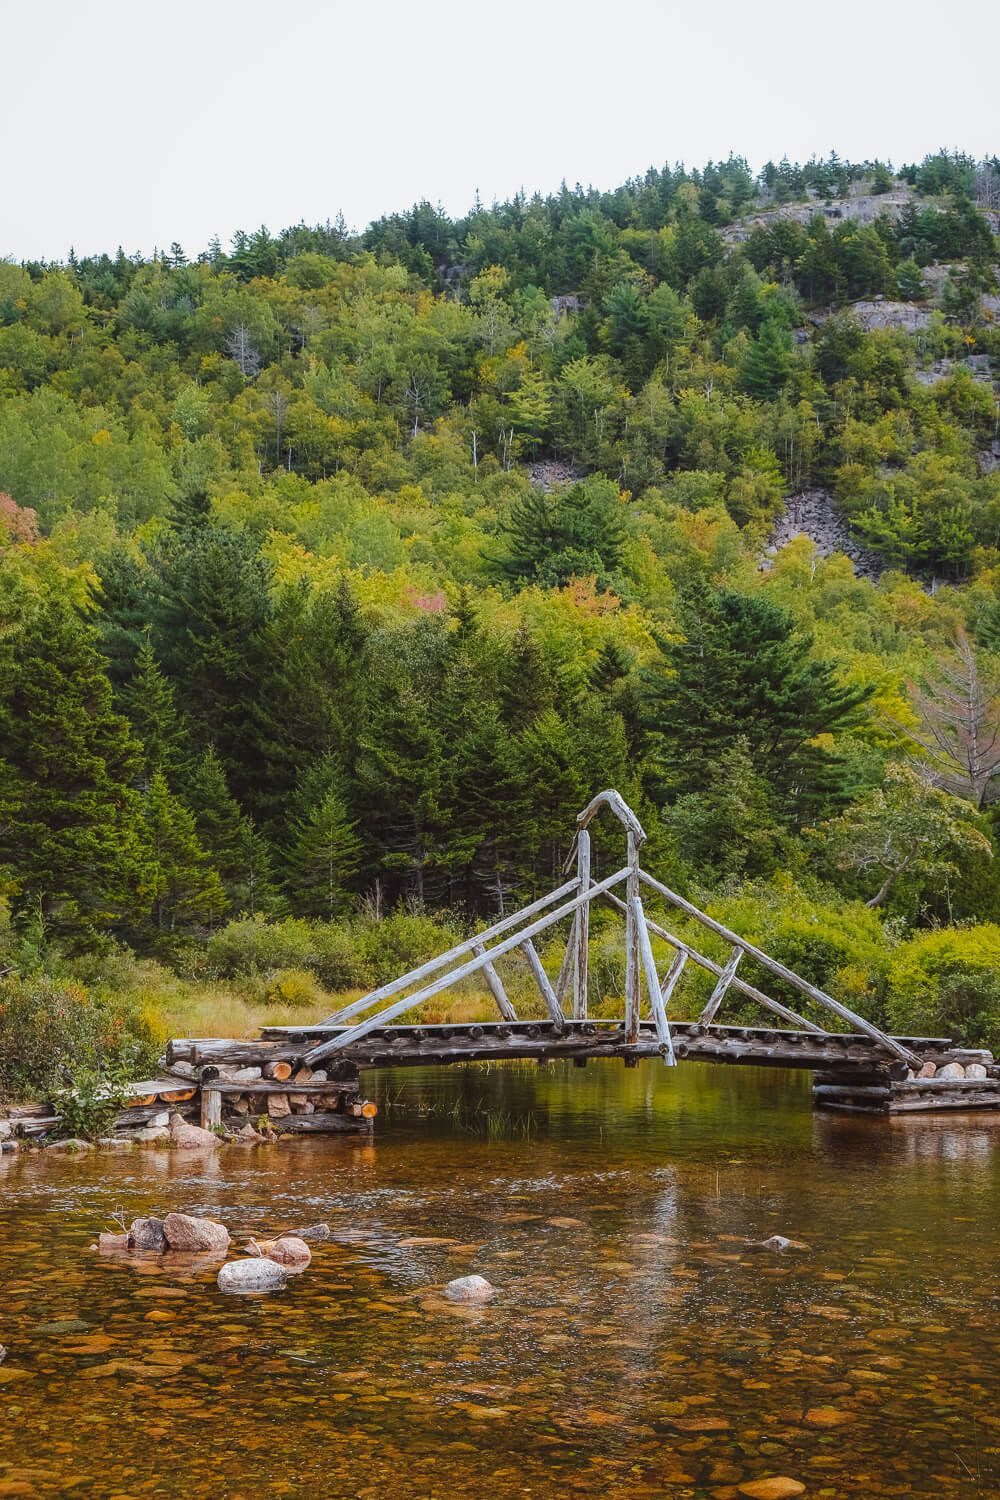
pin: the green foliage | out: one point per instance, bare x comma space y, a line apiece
338, 571
945, 983
51, 1028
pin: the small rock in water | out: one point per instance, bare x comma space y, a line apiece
314, 1232
259, 1274
147, 1234
109, 1244
185, 1232
187, 1137
470, 1289
248, 1133
288, 1250
115, 1142
778, 1488
152, 1135
71, 1145
6, 1130
778, 1243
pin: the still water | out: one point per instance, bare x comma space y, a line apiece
637, 1347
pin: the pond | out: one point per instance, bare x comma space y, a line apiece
638, 1347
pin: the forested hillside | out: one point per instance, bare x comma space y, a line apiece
338, 571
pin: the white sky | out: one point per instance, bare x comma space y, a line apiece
138, 123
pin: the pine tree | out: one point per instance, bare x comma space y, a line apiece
742, 670
150, 702
325, 851
768, 362
71, 829
186, 889
309, 695
213, 605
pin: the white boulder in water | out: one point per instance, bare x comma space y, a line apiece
470, 1289
257, 1274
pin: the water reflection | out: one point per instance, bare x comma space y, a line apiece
638, 1348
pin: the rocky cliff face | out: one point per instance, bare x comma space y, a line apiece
813, 513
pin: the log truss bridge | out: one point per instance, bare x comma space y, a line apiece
856, 1065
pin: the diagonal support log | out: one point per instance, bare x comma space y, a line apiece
542, 980
772, 964
722, 984
495, 983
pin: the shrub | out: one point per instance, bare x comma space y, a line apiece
336, 959
947, 983
49, 1030
388, 946
291, 987
839, 946
253, 945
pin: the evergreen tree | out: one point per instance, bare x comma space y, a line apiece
71, 831
768, 362
552, 538
213, 605
150, 702
311, 687
186, 890
742, 671
324, 855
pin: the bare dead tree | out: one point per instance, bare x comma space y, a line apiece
959, 731
241, 348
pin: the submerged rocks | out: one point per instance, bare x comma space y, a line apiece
185, 1232
778, 1488
147, 1234
777, 1244
187, 1137
314, 1232
258, 1274
470, 1289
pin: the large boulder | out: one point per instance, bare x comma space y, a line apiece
185, 1232
470, 1289
147, 1234
187, 1137
257, 1274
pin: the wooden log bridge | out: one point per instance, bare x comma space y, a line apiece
857, 1065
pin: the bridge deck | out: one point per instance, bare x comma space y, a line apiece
395, 1046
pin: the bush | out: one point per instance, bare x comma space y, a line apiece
336, 960
51, 1031
389, 946
947, 983
291, 987
839, 946
255, 946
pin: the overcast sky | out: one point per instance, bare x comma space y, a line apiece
138, 124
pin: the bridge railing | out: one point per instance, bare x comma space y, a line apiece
478, 954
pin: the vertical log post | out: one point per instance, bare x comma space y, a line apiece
632, 944
653, 986
568, 965
211, 1108
581, 931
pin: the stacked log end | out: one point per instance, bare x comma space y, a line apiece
954, 1080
